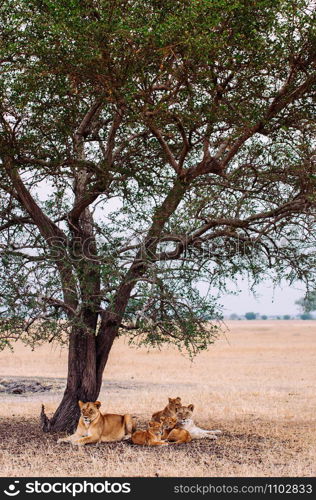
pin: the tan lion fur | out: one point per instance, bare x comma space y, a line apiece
169, 411
95, 427
151, 436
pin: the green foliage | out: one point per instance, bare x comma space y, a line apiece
250, 315
306, 316
308, 303
165, 145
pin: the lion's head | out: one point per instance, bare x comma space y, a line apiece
89, 411
174, 404
155, 427
185, 413
168, 422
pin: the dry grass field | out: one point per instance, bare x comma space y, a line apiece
257, 385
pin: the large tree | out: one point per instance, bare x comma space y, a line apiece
147, 147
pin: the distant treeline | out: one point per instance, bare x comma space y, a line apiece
252, 316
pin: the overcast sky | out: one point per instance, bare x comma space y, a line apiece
268, 300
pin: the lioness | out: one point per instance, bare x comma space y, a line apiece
151, 436
185, 421
94, 427
169, 411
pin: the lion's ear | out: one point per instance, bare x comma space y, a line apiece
178, 399
191, 407
97, 404
162, 419
80, 403
170, 400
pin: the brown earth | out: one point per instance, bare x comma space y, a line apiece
257, 385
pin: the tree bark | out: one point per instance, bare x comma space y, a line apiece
81, 382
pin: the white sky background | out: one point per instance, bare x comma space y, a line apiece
268, 300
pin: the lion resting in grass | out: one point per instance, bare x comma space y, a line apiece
172, 432
151, 436
185, 422
94, 427
169, 411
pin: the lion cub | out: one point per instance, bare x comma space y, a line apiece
168, 423
94, 427
169, 411
185, 422
179, 436
151, 436
174, 434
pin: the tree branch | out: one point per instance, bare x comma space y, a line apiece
169, 155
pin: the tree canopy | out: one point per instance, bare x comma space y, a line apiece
147, 147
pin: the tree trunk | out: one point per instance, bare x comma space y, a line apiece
85, 369
82, 383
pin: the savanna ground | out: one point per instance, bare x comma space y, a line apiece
257, 384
